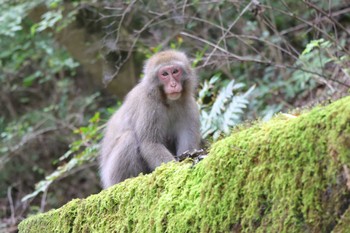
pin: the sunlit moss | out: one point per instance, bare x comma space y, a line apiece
286, 175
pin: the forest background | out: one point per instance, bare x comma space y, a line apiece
65, 67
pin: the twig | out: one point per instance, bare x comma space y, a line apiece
347, 176
266, 42
304, 25
135, 40
326, 16
12, 208
216, 47
311, 24
30, 137
268, 62
122, 19
223, 33
229, 29
184, 8
243, 38
43, 200
9, 105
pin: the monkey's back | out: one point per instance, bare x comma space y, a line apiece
120, 140
122, 121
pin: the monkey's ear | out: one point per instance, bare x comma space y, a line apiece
147, 68
149, 76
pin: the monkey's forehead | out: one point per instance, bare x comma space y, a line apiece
167, 57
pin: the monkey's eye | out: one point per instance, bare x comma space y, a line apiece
165, 73
175, 71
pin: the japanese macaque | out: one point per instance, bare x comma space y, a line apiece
158, 120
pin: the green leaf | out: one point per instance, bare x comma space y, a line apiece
313, 44
95, 118
28, 81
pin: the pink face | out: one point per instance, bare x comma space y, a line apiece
171, 76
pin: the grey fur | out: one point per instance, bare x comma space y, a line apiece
149, 129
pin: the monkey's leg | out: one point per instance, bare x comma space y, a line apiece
123, 162
155, 154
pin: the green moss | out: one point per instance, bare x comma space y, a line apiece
344, 224
286, 175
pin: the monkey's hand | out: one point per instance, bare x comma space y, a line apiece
195, 155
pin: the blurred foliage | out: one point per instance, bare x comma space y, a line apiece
224, 109
41, 104
253, 59
81, 151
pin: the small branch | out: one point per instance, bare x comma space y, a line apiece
43, 200
12, 208
268, 62
326, 15
229, 29
30, 137
312, 25
304, 25
347, 176
216, 47
243, 38
122, 19
9, 105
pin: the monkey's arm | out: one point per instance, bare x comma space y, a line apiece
187, 140
155, 154
188, 135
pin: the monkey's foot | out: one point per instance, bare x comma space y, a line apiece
195, 155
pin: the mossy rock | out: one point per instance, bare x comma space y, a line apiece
290, 174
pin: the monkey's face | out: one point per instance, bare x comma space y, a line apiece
171, 76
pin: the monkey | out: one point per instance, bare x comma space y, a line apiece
158, 120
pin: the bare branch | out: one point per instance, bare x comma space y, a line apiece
229, 29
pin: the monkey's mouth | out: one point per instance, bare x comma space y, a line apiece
174, 95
